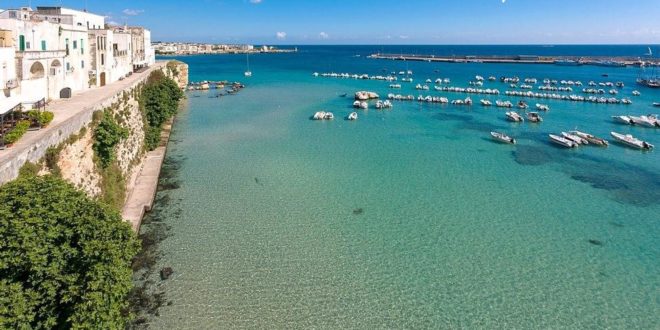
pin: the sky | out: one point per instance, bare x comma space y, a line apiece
297, 22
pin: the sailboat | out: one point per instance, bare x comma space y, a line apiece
652, 80
248, 73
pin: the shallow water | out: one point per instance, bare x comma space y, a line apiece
409, 218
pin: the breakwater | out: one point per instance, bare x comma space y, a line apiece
522, 59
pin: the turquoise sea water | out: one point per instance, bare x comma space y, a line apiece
409, 218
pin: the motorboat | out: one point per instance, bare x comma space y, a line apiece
631, 141
591, 138
501, 137
360, 105
514, 116
564, 142
503, 104
486, 103
329, 116
534, 117
319, 115
636, 93
352, 116
492, 78
656, 104
542, 107
522, 104
574, 138
623, 120
646, 121
383, 104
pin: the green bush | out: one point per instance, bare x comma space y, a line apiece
65, 260
159, 101
106, 136
17, 132
43, 118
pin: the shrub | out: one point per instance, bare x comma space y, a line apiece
43, 118
17, 132
106, 136
65, 260
159, 101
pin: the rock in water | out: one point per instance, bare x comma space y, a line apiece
358, 211
166, 272
595, 242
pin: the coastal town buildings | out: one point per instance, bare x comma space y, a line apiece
49, 53
179, 48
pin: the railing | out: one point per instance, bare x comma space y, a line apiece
40, 54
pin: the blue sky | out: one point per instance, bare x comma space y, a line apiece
385, 21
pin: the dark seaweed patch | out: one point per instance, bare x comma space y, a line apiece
533, 155
595, 242
358, 211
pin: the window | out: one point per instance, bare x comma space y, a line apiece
68, 66
82, 64
21, 42
27, 45
43, 45
82, 47
102, 60
75, 44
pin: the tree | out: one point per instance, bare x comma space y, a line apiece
64, 259
106, 136
160, 101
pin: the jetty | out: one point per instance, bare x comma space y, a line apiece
521, 59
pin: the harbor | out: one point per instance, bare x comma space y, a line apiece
605, 61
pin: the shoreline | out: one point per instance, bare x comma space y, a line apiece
142, 188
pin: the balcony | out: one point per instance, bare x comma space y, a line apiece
30, 55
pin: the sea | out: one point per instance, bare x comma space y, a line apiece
409, 218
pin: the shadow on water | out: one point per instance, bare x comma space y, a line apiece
148, 293
626, 183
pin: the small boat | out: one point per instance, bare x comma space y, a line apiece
501, 137
360, 105
329, 116
574, 138
636, 93
623, 120
486, 103
592, 139
542, 107
514, 116
522, 104
352, 116
562, 141
319, 115
646, 121
656, 104
248, 73
534, 117
631, 141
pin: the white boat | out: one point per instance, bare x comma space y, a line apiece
514, 116
646, 121
562, 141
492, 78
636, 93
534, 117
574, 138
631, 141
428, 81
591, 138
360, 105
656, 104
522, 104
623, 120
542, 107
501, 137
329, 116
479, 78
352, 116
486, 103
319, 115
248, 73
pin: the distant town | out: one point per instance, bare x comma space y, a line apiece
185, 48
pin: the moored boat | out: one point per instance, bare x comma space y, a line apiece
542, 107
562, 141
591, 138
514, 116
631, 141
574, 138
645, 121
319, 115
534, 117
329, 116
486, 103
623, 120
352, 116
501, 137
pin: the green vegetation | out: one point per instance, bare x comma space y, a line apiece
159, 101
43, 118
113, 186
65, 260
106, 137
28, 170
17, 132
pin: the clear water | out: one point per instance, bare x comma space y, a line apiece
410, 218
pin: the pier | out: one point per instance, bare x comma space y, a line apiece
521, 59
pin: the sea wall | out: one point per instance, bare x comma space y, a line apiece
66, 147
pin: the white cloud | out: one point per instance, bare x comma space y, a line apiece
256, 2
403, 37
324, 35
132, 12
280, 35
113, 23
